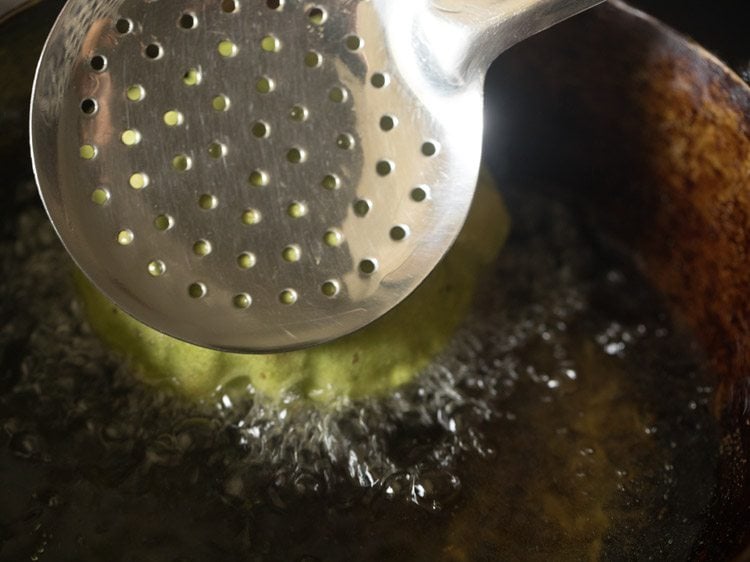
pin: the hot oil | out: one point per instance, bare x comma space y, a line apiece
568, 420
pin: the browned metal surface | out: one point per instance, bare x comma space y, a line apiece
652, 137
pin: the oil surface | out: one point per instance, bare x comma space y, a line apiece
567, 420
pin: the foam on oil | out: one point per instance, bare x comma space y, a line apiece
568, 418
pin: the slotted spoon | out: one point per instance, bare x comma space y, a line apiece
263, 175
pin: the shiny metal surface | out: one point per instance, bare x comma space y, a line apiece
264, 175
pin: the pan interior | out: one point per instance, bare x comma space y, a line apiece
570, 415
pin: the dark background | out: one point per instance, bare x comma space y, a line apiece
722, 26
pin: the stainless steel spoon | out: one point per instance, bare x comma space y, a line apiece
263, 175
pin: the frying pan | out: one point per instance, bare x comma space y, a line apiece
645, 134
649, 135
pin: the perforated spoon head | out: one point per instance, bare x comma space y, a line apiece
261, 175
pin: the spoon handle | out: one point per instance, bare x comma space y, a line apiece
493, 26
